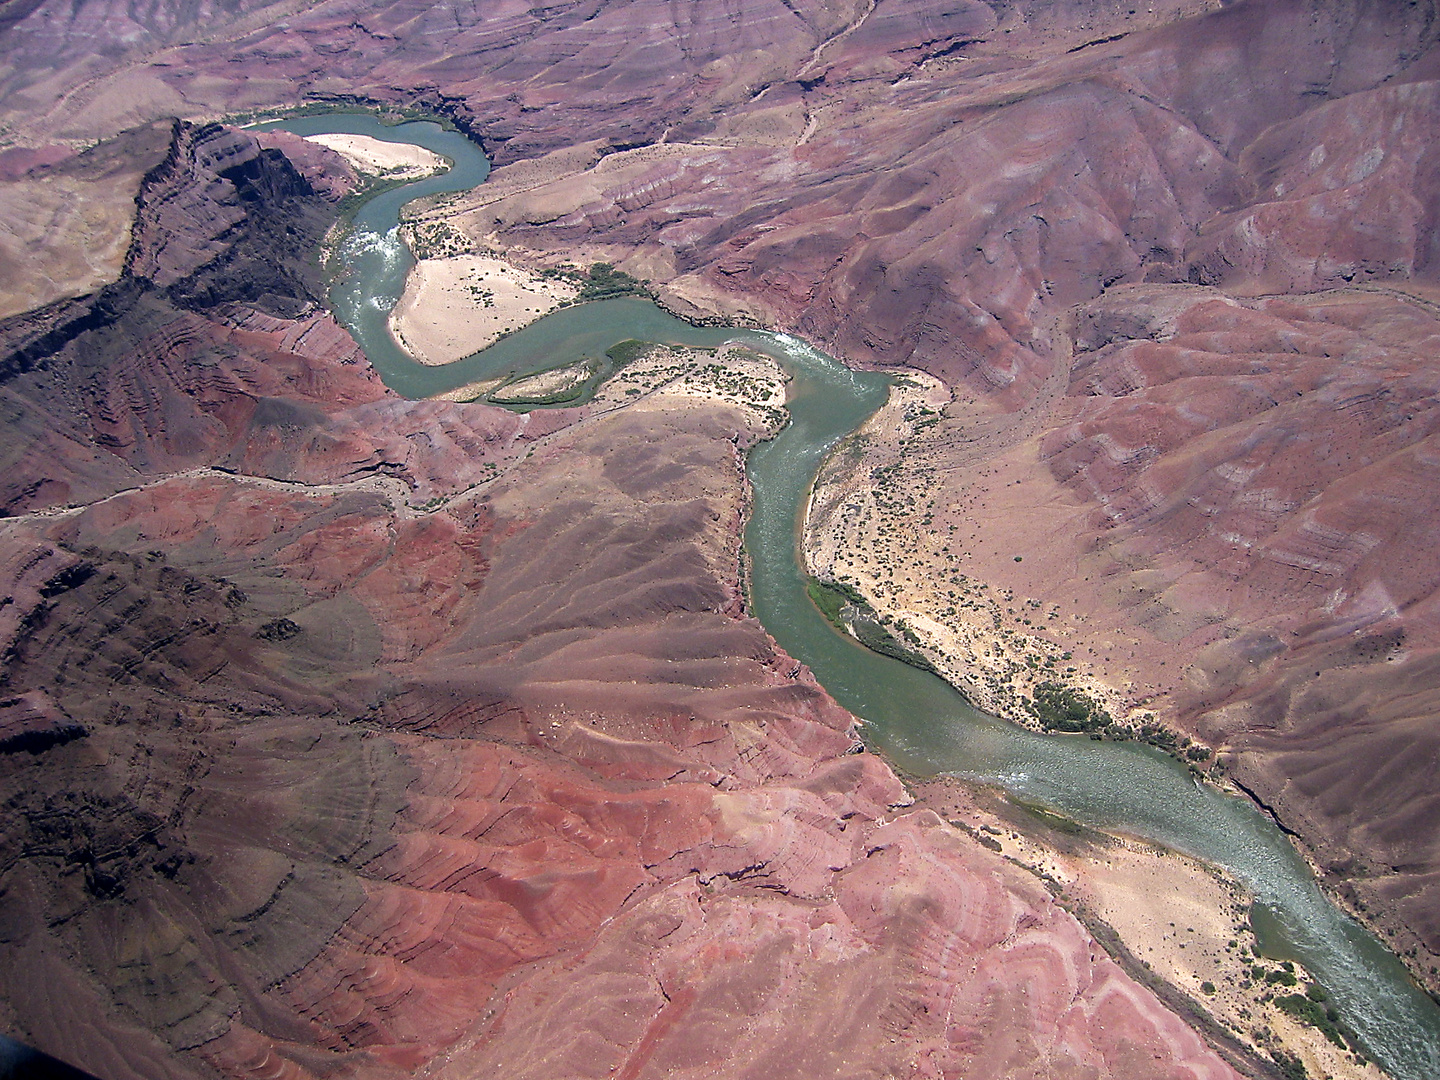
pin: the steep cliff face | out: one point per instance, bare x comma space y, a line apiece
211, 351
223, 221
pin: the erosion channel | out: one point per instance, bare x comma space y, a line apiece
914, 717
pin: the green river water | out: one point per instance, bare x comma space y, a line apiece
919, 721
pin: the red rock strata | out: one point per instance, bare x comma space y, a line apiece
504, 785
304, 781
1087, 220
1123, 259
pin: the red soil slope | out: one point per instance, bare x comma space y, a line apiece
304, 780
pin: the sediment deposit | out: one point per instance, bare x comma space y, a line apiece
457, 305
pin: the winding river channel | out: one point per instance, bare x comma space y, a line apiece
916, 719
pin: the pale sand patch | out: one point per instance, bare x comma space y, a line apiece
375, 157
672, 376
468, 392
456, 306
1181, 917
545, 385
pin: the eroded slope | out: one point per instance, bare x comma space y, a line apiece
344, 735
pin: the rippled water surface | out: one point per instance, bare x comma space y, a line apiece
916, 718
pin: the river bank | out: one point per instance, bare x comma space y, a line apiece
1178, 925
377, 158
872, 525
456, 305
1182, 923
938, 589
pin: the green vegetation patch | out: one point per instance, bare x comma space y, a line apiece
438, 240
848, 612
628, 351
556, 386
871, 633
601, 282
1311, 1009
1291, 1067
1063, 708
831, 598
605, 282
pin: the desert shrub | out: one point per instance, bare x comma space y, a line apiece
1309, 1011
605, 282
627, 351
1063, 708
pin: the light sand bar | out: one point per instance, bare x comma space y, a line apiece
1183, 922
455, 306
402, 161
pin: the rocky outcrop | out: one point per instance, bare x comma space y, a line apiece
222, 220
212, 351
65, 219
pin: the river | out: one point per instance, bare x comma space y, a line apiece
919, 721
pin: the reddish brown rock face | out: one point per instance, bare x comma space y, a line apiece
1127, 255
513, 783
1270, 511
306, 781
441, 805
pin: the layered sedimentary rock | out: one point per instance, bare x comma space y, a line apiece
1262, 473
1096, 251
359, 790
1174, 266
344, 735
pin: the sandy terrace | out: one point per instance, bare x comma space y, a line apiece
544, 385
871, 524
456, 306
671, 376
375, 157
1180, 920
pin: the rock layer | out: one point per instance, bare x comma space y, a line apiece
1096, 250
347, 736
363, 790
1173, 264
